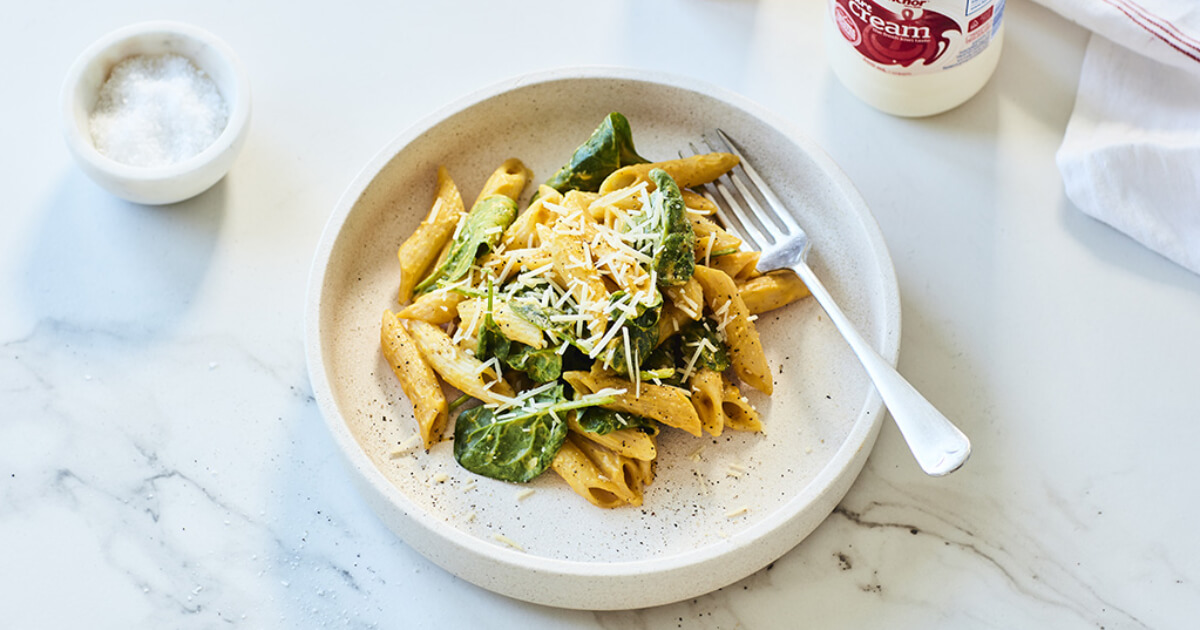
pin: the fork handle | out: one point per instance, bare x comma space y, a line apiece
939, 447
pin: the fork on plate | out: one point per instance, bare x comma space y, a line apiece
768, 226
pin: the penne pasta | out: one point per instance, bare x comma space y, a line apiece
664, 403
578, 202
509, 180
623, 472
746, 352
687, 172
419, 251
707, 392
688, 297
646, 470
436, 307
523, 231
712, 241
670, 320
741, 266
740, 415
584, 477
698, 204
579, 275
456, 367
416, 379
511, 325
631, 443
772, 290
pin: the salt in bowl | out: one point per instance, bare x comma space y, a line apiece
155, 185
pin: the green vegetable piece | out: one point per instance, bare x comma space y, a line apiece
527, 305
674, 257
478, 231
511, 446
604, 421
610, 147
664, 359
657, 373
542, 366
714, 354
643, 336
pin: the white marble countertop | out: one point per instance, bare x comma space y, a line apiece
162, 463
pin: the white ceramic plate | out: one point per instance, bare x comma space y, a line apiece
821, 422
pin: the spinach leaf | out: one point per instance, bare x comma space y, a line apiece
714, 354
643, 336
511, 446
520, 443
542, 365
674, 257
664, 359
604, 421
610, 147
527, 304
478, 231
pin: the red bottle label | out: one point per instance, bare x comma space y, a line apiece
916, 36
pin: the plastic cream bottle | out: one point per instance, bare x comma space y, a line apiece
914, 57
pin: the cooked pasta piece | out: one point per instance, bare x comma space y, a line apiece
512, 325
745, 348
505, 265
523, 232
664, 403
741, 266
419, 251
687, 172
631, 443
575, 268
416, 379
688, 297
625, 473
436, 307
740, 415
619, 203
457, 367
509, 179
578, 202
647, 470
711, 240
707, 392
584, 477
670, 320
698, 204
772, 290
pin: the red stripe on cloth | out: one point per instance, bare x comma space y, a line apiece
1154, 30
1164, 24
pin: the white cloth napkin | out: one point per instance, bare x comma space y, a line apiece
1131, 154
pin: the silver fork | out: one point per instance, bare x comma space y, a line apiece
939, 447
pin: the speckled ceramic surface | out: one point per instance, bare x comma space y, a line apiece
551, 546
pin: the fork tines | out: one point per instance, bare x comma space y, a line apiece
745, 204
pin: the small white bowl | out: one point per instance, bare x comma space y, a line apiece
174, 182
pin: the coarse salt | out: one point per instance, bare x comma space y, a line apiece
157, 110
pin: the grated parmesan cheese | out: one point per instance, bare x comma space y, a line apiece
501, 538
405, 447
